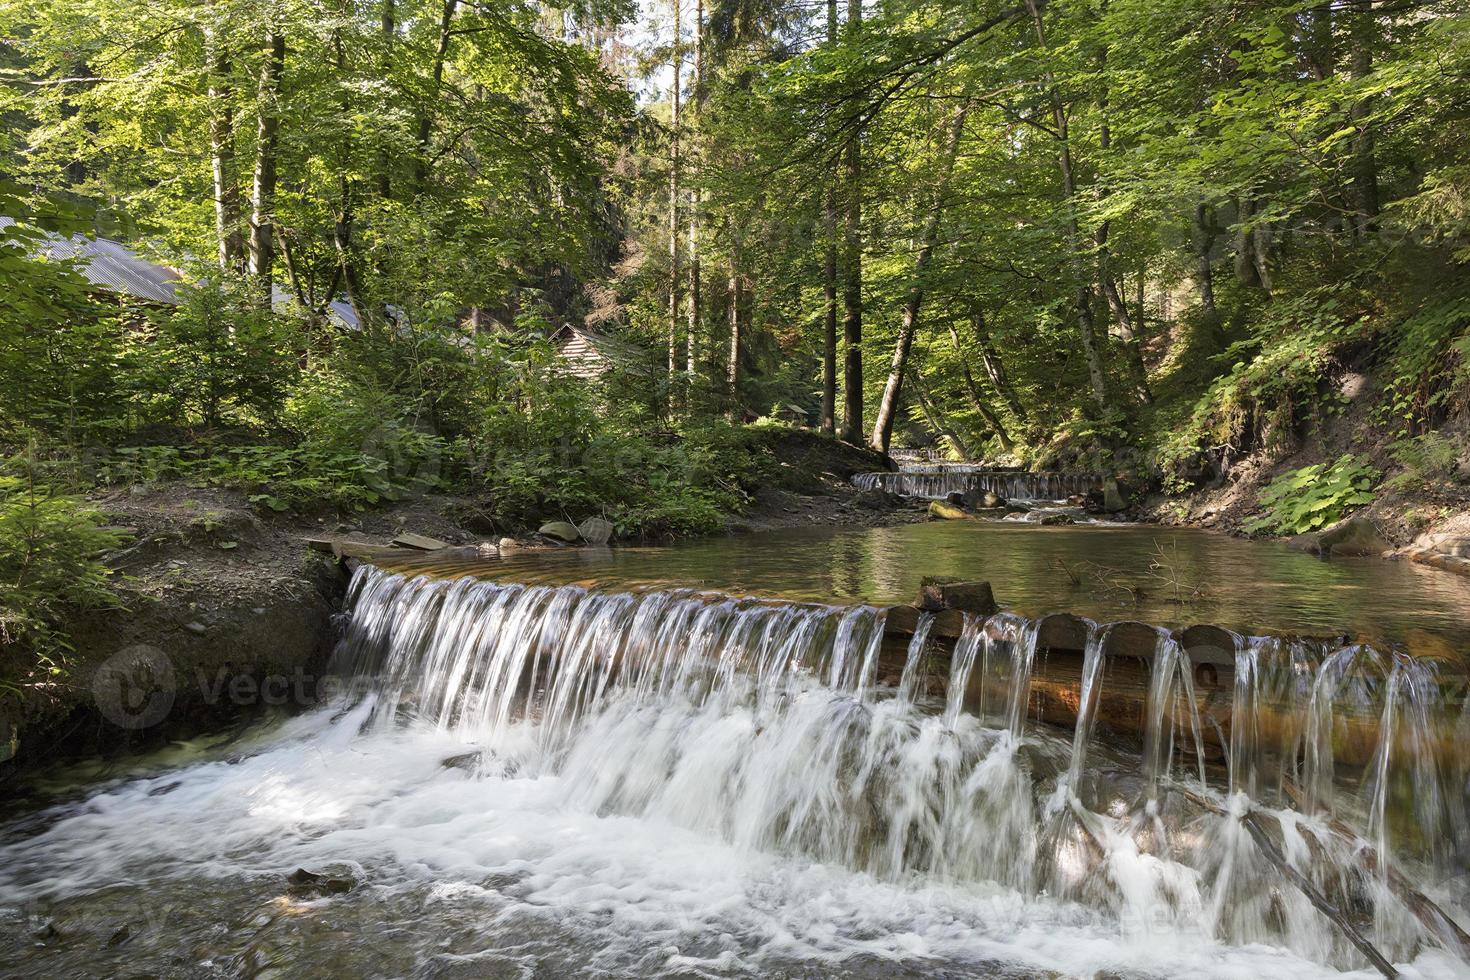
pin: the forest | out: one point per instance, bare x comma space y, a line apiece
1174, 241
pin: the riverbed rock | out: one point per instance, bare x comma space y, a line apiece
1114, 500
937, 592
595, 530
560, 531
465, 761
308, 884
1353, 537
877, 499
991, 500
1449, 543
1056, 520
943, 511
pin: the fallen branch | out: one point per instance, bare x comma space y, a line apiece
1252, 823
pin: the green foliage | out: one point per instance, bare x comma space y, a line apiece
1426, 459
50, 569
1314, 496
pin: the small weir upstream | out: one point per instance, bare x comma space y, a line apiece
557, 780
938, 482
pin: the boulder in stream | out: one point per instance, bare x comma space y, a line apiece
937, 592
1353, 537
944, 511
595, 530
560, 531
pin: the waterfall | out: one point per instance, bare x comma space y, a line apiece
767, 723
675, 776
938, 483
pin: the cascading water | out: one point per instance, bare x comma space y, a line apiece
938, 483
684, 783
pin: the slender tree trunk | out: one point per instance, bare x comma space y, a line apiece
914, 301
695, 300
732, 315
342, 231
852, 287
937, 420
995, 368
829, 279
263, 195
436, 82
388, 29
222, 153
1129, 334
1251, 267
976, 398
674, 211
1365, 164
1204, 242
1082, 296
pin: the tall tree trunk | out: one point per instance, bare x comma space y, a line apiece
732, 315
342, 231
436, 82
995, 368
976, 398
1082, 281
1204, 242
852, 286
388, 30
1251, 267
674, 210
937, 420
1365, 164
263, 194
914, 300
222, 153
1129, 335
695, 312
829, 278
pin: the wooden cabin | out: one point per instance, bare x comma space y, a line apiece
590, 355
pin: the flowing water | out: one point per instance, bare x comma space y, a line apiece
531, 779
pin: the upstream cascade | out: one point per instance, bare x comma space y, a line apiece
792, 729
937, 482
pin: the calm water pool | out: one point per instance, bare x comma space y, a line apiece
1167, 576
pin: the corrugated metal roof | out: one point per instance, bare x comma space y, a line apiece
113, 266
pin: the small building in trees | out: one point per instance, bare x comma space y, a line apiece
590, 355
118, 272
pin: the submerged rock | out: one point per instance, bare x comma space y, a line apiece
468, 761
308, 884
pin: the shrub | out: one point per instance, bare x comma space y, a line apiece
1314, 496
50, 545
